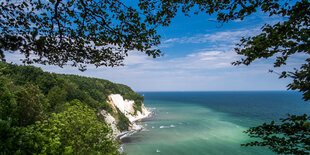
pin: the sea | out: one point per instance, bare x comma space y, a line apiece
203, 123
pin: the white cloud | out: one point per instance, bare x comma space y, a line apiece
206, 68
135, 58
202, 60
224, 36
210, 53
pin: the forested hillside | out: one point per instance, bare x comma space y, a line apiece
48, 113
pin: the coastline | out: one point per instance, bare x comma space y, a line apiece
136, 128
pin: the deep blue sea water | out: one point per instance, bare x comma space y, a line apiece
209, 122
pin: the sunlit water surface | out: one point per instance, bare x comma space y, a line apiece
208, 122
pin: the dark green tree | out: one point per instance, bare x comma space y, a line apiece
77, 32
281, 40
76, 130
291, 136
63, 121
7, 99
57, 98
102, 32
30, 105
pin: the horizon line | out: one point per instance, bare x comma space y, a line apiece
213, 90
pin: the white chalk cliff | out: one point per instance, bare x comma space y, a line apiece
127, 108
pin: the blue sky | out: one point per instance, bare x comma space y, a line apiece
198, 55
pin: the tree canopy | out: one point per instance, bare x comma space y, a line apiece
281, 40
45, 113
291, 136
79, 32
286, 38
102, 33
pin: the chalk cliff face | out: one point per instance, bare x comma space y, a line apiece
127, 108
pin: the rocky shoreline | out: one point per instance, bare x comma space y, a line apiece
137, 128
126, 107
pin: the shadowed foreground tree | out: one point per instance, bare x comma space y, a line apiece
73, 131
80, 32
290, 137
64, 120
77, 32
280, 41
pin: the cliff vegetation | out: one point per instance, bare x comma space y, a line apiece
47, 113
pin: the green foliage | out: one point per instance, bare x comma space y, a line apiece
77, 32
57, 97
7, 100
22, 75
92, 91
123, 122
138, 106
76, 130
82, 32
107, 107
63, 120
292, 136
283, 39
99, 89
30, 105
10, 137
73, 131
21, 105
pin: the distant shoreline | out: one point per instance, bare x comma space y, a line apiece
130, 132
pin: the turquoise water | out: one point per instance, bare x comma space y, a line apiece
208, 122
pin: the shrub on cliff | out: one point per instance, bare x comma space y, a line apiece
123, 122
56, 117
75, 130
